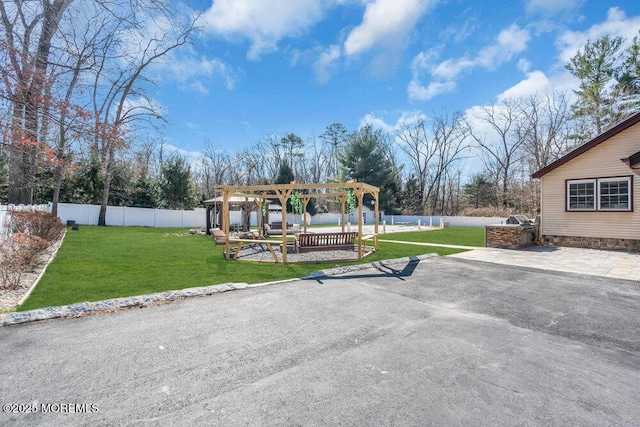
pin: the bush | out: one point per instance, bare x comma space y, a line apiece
37, 224
17, 252
30, 233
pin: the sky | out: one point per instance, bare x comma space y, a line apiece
260, 67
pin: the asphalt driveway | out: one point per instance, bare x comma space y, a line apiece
442, 341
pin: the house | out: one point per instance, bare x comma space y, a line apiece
587, 196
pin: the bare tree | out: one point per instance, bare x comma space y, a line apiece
121, 65
334, 136
216, 166
79, 47
548, 117
28, 29
432, 151
500, 132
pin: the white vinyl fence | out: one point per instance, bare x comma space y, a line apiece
434, 221
124, 216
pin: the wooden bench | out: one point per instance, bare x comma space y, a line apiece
307, 242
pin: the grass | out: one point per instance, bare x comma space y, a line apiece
463, 236
99, 263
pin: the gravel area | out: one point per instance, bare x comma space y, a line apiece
260, 253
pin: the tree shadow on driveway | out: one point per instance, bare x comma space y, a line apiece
384, 271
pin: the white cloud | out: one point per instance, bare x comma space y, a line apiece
199, 87
550, 7
451, 68
326, 63
524, 65
385, 22
509, 42
376, 122
263, 23
190, 156
418, 92
617, 24
139, 105
186, 68
536, 82
406, 117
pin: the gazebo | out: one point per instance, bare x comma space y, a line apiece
261, 194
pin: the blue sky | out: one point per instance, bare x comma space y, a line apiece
261, 67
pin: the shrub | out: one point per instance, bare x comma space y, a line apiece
17, 252
30, 233
39, 224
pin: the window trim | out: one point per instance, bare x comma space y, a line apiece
597, 202
593, 181
629, 180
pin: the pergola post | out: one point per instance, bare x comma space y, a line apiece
343, 201
359, 197
377, 214
305, 202
283, 195
225, 222
259, 202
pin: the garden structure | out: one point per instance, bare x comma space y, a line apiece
350, 194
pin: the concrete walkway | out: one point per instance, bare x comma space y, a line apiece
620, 265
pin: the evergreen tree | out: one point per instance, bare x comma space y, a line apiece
595, 66
627, 89
285, 176
177, 188
365, 158
480, 192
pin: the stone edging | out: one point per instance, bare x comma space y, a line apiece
86, 308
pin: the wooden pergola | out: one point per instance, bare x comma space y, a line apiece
283, 192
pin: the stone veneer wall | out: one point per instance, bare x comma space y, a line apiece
508, 236
611, 244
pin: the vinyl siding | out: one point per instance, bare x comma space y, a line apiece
601, 161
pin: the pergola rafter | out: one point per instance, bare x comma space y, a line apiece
259, 193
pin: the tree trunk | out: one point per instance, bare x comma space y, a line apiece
102, 216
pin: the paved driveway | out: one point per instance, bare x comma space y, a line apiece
439, 342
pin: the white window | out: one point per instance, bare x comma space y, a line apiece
614, 194
581, 195
606, 194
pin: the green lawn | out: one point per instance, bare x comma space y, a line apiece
97, 263
464, 236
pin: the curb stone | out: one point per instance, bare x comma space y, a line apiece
87, 308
